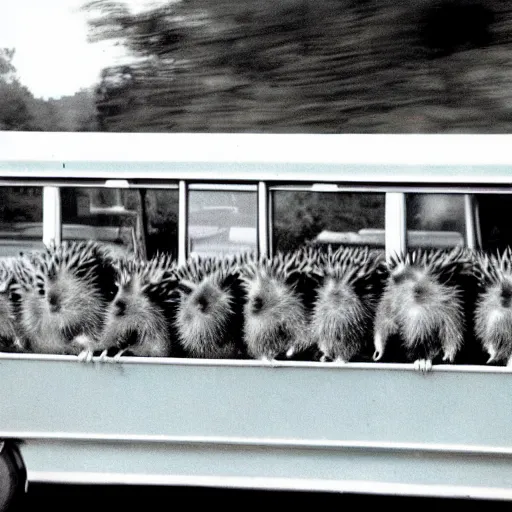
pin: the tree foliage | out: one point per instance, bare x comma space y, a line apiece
20, 110
307, 66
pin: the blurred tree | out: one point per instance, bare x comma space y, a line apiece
14, 98
19, 110
309, 66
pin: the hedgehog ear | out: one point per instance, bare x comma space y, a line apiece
186, 287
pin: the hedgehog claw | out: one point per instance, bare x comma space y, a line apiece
117, 357
492, 355
423, 365
103, 358
377, 355
85, 356
290, 352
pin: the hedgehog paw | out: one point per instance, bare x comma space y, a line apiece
492, 355
340, 360
117, 357
269, 360
377, 355
290, 352
85, 356
104, 358
423, 365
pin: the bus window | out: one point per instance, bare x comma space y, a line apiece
141, 221
327, 218
435, 220
222, 221
21, 220
494, 216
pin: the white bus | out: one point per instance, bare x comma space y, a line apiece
380, 428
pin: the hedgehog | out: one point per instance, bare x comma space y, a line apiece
343, 313
63, 292
493, 311
139, 320
10, 335
280, 296
209, 317
422, 306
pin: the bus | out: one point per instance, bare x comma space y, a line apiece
376, 428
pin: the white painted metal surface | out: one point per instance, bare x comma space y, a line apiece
52, 219
317, 426
413, 159
395, 224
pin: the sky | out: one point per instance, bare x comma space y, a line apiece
53, 58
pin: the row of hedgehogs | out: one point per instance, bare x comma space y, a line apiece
339, 305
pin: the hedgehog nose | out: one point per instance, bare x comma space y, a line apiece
119, 307
202, 304
257, 304
53, 301
418, 291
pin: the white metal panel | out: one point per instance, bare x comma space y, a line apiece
357, 427
182, 222
428, 159
263, 219
395, 224
52, 219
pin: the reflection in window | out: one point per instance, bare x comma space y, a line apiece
21, 219
222, 222
135, 221
435, 220
336, 218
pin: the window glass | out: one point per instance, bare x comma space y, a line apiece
435, 220
222, 222
323, 218
21, 219
144, 221
494, 218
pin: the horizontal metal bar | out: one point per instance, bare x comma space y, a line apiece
144, 183
375, 174
312, 444
283, 484
223, 187
173, 361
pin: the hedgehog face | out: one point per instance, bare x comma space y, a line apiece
417, 284
266, 295
64, 293
206, 298
134, 321
130, 300
336, 292
506, 293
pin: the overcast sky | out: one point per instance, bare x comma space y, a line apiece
53, 57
